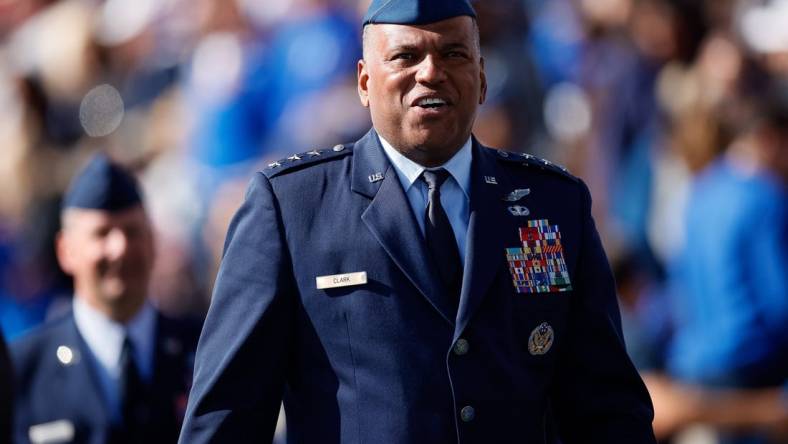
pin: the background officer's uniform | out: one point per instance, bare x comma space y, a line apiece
389, 360
69, 371
60, 390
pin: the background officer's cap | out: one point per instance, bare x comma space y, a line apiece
103, 185
416, 12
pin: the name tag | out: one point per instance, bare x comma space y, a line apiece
341, 280
60, 431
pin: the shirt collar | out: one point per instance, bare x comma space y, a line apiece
408, 171
105, 336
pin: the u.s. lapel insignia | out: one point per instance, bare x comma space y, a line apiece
538, 266
541, 339
490, 180
376, 177
519, 210
517, 194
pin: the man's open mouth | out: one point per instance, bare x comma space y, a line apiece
431, 103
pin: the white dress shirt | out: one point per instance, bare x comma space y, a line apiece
105, 337
455, 192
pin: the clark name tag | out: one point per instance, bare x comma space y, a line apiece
341, 280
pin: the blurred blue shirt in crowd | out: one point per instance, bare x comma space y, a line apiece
732, 281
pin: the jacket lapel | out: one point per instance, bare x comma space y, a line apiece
484, 254
392, 222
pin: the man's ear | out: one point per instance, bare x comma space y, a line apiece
64, 252
363, 78
483, 78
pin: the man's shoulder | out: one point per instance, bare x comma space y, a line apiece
529, 163
306, 160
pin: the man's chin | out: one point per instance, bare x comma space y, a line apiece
430, 139
114, 290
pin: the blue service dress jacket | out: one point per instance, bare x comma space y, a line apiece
389, 360
59, 395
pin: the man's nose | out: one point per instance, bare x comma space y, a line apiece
430, 71
117, 243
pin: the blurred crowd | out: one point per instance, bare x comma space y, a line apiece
674, 112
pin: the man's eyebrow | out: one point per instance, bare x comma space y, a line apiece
402, 47
454, 45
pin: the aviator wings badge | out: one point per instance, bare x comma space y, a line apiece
516, 195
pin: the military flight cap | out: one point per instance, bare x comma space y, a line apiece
103, 185
416, 12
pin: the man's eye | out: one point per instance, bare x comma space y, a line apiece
455, 54
403, 56
99, 233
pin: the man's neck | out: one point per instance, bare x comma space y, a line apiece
121, 311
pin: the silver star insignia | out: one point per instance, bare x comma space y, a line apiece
313, 153
274, 164
294, 157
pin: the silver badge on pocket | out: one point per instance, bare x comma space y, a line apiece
541, 339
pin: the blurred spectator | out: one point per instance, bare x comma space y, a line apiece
731, 280
252, 98
678, 406
645, 313
113, 370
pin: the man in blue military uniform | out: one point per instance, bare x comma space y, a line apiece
415, 286
113, 370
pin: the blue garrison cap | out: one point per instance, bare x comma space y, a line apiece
416, 12
103, 185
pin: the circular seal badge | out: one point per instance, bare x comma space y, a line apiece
541, 339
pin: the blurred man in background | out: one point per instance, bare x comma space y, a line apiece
113, 370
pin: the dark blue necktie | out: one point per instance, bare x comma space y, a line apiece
440, 237
133, 394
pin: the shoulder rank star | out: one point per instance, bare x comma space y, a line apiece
274, 164
517, 194
313, 153
294, 157
519, 210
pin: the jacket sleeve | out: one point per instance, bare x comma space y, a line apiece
243, 352
598, 396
